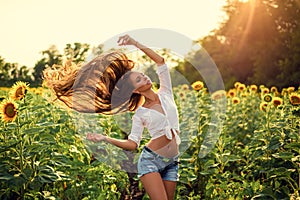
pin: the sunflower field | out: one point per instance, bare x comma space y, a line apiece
256, 155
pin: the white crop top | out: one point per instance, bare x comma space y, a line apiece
157, 123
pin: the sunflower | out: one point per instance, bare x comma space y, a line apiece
219, 94
263, 106
267, 98
198, 85
181, 95
253, 88
8, 110
265, 90
274, 90
290, 89
236, 100
241, 87
18, 90
277, 101
284, 92
236, 84
185, 87
244, 94
231, 93
39, 91
295, 99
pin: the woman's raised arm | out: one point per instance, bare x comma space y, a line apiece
127, 40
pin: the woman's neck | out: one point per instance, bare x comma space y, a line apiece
150, 96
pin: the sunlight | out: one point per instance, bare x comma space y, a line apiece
249, 21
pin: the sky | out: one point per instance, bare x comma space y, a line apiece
31, 26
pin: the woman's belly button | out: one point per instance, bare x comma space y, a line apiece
163, 146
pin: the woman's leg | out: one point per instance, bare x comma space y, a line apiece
170, 187
154, 186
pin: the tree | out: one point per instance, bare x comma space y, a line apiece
3, 71
257, 43
289, 26
290, 64
96, 51
50, 57
11, 72
76, 52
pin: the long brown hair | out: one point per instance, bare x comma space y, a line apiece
100, 86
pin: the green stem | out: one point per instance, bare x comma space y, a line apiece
292, 122
26, 110
268, 123
20, 153
298, 178
4, 133
21, 144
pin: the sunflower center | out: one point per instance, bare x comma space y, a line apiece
295, 99
19, 92
277, 102
10, 110
268, 99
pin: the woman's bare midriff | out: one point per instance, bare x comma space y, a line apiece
163, 146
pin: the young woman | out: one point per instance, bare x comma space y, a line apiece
108, 85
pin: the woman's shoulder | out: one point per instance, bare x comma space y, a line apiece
165, 93
139, 111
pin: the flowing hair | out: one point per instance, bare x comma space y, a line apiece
99, 86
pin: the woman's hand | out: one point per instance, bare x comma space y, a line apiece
126, 40
94, 137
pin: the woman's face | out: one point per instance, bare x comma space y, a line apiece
140, 81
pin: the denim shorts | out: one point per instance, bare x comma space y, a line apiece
150, 161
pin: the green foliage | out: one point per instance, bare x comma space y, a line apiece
257, 155
43, 157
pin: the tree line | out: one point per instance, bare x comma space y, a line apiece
11, 72
257, 43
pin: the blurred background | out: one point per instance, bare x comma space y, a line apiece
251, 41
